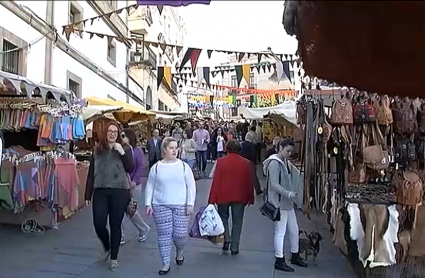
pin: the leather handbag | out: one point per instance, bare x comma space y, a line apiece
342, 112
404, 117
421, 118
409, 188
404, 150
374, 156
364, 112
268, 209
384, 114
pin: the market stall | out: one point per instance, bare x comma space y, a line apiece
364, 167
39, 177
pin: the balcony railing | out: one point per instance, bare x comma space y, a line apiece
148, 57
140, 21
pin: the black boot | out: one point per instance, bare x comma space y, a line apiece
280, 264
296, 260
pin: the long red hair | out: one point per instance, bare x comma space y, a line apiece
103, 140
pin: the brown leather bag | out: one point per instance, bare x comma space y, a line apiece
358, 174
374, 156
404, 117
409, 188
297, 134
342, 112
421, 118
384, 114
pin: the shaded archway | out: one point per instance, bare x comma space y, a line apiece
149, 104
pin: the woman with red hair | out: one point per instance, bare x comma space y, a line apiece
108, 185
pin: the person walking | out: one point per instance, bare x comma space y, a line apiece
154, 148
248, 152
129, 138
170, 196
202, 137
220, 140
259, 137
187, 148
282, 192
232, 188
107, 184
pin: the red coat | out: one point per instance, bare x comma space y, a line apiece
233, 181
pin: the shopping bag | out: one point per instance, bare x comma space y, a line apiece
132, 207
213, 170
210, 223
194, 231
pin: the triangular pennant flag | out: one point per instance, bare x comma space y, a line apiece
184, 75
286, 56
290, 57
269, 67
239, 74
222, 73
68, 30
281, 57
163, 46
160, 76
178, 49
199, 74
246, 72
214, 73
206, 74
264, 68
160, 8
213, 86
274, 67
167, 75
191, 83
249, 54
209, 52
190, 74
258, 68
286, 70
185, 82
292, 62
91, 35
240, 56
259, 57
191, 54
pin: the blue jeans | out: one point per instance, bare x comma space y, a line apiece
220, 154
201, 159
190, 162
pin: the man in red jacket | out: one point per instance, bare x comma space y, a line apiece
232, 187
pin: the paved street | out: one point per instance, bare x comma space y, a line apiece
73, 250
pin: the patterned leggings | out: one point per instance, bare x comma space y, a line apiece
172, 224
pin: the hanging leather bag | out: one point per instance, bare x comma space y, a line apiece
384, 114
374, 156
421, 118
342, 112
420, 148
357, 174
409, 188
404, 150
404, 117
364, 112
324, 129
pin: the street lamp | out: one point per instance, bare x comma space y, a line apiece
137, 56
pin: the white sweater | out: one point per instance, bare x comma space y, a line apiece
170, 184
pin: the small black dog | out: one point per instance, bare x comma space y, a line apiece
310, 245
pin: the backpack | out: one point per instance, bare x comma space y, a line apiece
342, 112
404, 117
384, 114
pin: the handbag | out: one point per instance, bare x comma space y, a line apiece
268, 209
196, 172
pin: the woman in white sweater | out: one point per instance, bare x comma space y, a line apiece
170, 196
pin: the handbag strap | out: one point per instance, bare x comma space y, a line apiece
266, 194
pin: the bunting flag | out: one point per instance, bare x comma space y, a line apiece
287, 70
191, 54
239, 74
167, 75
246, 72
172, 3
203, 74
159, 77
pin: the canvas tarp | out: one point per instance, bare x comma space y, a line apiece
284, 113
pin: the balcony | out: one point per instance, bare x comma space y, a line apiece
140, 21
148, 58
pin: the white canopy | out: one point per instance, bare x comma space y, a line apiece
286, 110
91, 112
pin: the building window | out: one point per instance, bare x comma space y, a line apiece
112, 52
161, 105
112, 4
74, 84
252, 84
165, 24
234, 81
76, 14
10, 58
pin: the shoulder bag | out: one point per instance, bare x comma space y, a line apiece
268, 209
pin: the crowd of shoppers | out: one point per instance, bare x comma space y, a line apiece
114, 186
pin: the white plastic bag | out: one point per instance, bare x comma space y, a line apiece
210, 223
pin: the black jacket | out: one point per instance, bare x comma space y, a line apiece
248, 151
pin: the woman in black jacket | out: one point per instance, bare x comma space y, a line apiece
248, 152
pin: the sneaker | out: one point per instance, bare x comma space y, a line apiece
114, 265
142, 235
122, 242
